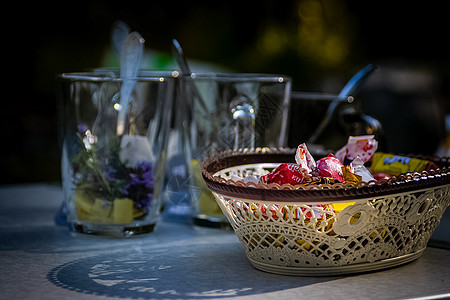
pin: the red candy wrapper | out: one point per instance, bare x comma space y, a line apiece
286, 173
304, 158
363, 146
330, 166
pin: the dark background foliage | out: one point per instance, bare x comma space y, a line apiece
319, 43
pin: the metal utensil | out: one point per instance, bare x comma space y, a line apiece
348, 90
130, 62
186, 70
119, 33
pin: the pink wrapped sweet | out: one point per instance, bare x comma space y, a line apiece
331, 167
363, 146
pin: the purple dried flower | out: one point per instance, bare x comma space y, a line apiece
145, 166
135, 180
110, 173
82, 128
140, 186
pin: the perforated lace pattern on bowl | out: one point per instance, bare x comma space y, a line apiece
341, 234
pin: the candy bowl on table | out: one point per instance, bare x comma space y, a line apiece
326, 229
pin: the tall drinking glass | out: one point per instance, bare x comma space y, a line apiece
112, 167
229, 111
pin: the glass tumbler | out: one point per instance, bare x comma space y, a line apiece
113, 149
229, 111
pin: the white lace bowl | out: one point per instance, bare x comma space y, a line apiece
326, 229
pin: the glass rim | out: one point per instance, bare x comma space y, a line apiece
319, 96
113, 74
238, 77
313, 95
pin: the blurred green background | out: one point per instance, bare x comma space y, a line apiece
319, 43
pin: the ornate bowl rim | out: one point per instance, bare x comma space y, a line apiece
406, 182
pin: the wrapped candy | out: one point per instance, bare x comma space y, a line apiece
286, 173
330, 166
358, 168
304, 158
247, 179
394, 164
381, 176
318, 211
363, 146
349, 176
320, 180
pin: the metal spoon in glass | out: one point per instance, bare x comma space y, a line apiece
348, 90
186, 70
119, 33
130, 62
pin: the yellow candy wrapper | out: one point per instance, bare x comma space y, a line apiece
349, 177
394, 164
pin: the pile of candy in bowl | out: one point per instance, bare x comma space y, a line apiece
351, 211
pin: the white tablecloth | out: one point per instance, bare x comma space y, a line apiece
41, 260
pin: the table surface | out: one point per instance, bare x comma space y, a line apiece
39, 259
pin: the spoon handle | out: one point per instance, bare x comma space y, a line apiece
355, 82
119, 33
130, 61
352, 85
186, 70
